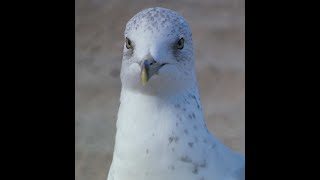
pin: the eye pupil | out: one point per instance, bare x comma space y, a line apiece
180, 43
128, 43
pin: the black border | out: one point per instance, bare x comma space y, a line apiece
38, 73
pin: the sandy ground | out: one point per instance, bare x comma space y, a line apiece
219, 41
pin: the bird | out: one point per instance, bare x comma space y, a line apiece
161, 132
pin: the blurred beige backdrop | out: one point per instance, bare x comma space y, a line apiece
219, 40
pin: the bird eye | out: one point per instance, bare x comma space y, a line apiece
180, 43
128, 43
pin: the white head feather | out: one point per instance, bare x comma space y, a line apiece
155, 32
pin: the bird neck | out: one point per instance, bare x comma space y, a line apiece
140, 112
152, 124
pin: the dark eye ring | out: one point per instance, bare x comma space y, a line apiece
180, 43
128, 43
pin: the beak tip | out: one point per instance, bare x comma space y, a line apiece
144, 75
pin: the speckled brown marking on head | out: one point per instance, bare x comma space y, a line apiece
159, 18
213, 146
186, 159
195, 168
203, 164
173, 138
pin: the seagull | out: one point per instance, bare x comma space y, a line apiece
161, 130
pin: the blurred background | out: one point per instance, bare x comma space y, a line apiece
219, 40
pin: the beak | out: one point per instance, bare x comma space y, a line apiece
144, 74
149, 67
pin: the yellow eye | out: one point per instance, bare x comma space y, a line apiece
180, 43
128, 43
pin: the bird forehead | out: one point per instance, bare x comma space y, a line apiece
157, 21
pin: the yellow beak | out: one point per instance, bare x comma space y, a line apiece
144, 75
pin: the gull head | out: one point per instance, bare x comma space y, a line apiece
158, 55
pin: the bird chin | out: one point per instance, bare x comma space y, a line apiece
162, 85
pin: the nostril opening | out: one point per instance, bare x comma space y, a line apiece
148, 63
